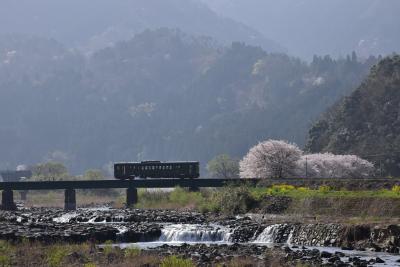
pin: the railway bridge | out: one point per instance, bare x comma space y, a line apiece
131, 187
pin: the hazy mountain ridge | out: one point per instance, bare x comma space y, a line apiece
162, 95
96, 24
367, 122
320, 27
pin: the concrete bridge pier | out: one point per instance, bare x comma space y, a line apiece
7, 200
23, 194
131, 196
70, 199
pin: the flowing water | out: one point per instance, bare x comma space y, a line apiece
178, 234
194, 233
65, 218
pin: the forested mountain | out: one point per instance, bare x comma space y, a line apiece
310, 27
367, 122
93, 24
162, 95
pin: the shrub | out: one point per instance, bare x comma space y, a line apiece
183, 197
132, 252
396, 189
280, 189
303, 189
174, 261
6, 251
233, 200
108, 248
56, 255
324, 189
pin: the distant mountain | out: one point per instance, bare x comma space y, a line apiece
94, 24
311, 27
367, 122
162, 95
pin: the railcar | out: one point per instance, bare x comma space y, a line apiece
156, 169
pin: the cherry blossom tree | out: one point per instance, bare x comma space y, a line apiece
328, 165
271, 158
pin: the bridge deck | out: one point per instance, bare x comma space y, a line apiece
140, 183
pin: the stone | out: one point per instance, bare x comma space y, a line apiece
325, 254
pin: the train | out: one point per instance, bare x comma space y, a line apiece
156, 169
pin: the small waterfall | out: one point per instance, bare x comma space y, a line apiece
65, 218
194, 233
290, 237
269, 235
276, 233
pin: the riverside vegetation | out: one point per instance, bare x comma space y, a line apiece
89, 255
285, 199
85, 254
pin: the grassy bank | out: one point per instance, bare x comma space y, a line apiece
89, 255
86, 254
282, 199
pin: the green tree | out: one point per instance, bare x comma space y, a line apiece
223, 166
93, 175
50, 171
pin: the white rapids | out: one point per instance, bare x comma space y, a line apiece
268, 235
194, 233
65, 218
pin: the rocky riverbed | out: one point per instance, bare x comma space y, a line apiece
276, 255
226, 237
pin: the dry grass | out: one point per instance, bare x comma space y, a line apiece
371, 209
55, 199
60, 255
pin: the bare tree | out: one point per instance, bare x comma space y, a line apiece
271, 158
223, 166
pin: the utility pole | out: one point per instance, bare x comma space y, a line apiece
306, 168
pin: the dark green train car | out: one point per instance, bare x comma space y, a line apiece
156, 169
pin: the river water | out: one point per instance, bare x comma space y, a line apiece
179, 234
